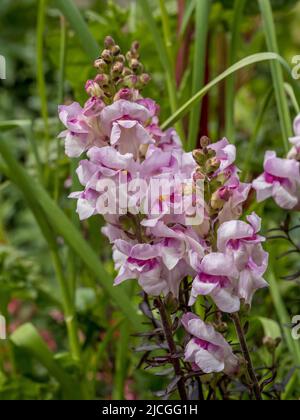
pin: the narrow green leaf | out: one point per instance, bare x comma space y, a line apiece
271, 327
73, 15
163, 55
291, 94
202, 19
187, 16
27, 338
122, 362
41, 84
245, 62
277, 73
64, 227
253, 139
239, 6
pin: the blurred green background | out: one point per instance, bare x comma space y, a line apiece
28, 289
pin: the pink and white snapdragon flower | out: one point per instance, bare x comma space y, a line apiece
281, 177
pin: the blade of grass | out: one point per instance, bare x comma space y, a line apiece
60, 95
187, 16
239, 6
245, 62
41, 84
202, 19
253, 140
291, 94
166, 31
68, 303
64, 227
73, 15
277, 73
27, 338
122, 362
163, 55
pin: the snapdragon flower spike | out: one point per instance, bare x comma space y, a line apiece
281, 177
207, 350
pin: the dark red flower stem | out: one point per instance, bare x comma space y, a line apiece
167, 327
253, 382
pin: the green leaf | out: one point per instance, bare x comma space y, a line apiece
271, 327
73, 15
27, 338
33, 190
277, 73
245, 62
202, 19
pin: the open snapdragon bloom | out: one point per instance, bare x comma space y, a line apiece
208, 350
281, 177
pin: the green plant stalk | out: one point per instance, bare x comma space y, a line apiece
41, 84
73, 15
122, 362
277, 73
239, 6
164, 58
68, 305
202, 22
60, 96
64, 227
69, 308
252, 59
187, 17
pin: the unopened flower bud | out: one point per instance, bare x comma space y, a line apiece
145, 79
198, 175
271, 343
115, 50
120, 58
130, 81
118, 68
107, 56
100, 64
109, 42
126, 71
212, 165
199, 157
125, 93
135, 46
204, 142
102, 80
134, 64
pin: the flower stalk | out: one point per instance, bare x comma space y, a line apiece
253, 381
167, 327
